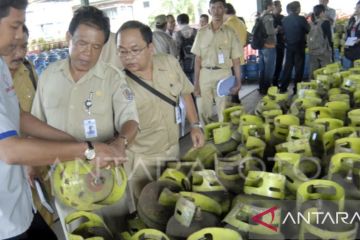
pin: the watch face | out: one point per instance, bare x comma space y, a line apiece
90, 154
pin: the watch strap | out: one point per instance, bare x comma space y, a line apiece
90, 145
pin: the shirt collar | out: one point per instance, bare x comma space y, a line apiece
209, 26
97, 70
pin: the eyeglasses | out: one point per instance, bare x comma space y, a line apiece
132, 52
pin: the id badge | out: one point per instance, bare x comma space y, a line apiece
90, 128
177, 115
221, 58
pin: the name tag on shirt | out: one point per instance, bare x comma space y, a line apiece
90, 128
221, 58
177, 115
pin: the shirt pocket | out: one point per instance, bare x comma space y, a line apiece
52, 102
172, 89
100, 105
225, 49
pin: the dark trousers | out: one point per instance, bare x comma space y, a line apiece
267, 59
279, 63
37, 230
293, 58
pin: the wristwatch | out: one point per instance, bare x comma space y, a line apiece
126, 142
90, 151
196, 125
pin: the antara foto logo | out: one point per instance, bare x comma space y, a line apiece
257, 218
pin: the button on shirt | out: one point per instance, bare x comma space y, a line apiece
209, 44
60, 101
158, 129
15, 194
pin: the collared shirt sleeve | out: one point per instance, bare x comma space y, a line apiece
124, 103
7, 127
37, 109
9, 106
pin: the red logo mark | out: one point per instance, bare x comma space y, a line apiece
257, 218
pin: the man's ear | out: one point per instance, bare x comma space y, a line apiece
68, 36
152, 48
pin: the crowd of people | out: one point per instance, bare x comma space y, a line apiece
122, 107
288, 37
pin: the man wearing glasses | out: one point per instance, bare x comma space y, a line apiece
87, 98
158, 138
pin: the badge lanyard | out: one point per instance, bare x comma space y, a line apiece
90, 129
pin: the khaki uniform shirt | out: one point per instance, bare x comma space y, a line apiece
240, 29
209, 45
109, 53
60, 101
158, 130
24, 87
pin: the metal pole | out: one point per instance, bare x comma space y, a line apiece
260, 6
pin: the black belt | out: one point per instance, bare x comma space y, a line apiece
213, 68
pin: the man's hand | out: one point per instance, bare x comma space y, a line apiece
197, 92
235, 89
119, 149
197, 137
108, 155
31, 174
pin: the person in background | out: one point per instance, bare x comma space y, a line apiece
184, 40
353, 30
22, 72
204, 20
267, 54
231, 20
280, 45
108, 53
162, 41
217, 49
330, 13
18, 219
158, 140
170, 25
239, 28
318, 60
295, 29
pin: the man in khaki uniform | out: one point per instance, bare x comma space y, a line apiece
217, 49
24, 80
158, 139
87, 98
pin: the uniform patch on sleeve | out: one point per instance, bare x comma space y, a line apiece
128, 93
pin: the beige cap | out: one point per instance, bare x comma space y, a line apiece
160, 20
